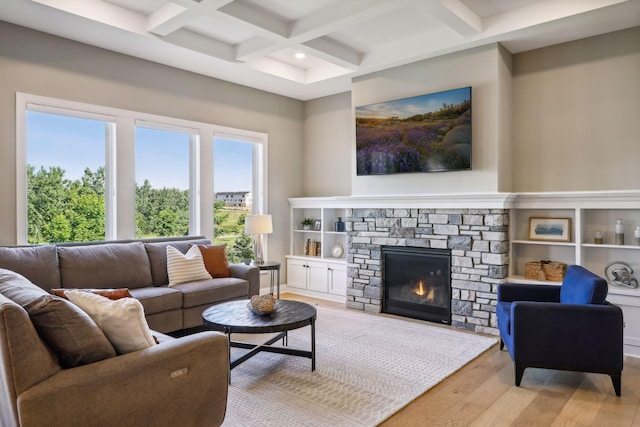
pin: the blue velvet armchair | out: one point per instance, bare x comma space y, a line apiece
570, 327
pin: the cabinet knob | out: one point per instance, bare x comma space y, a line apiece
329, 268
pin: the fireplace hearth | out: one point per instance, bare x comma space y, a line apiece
417, 283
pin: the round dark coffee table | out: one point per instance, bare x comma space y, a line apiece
235, 317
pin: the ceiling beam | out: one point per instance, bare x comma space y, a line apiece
334, 53
455, 15
101, 11
180, 13
199, 43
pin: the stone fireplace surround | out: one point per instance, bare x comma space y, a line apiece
477, 238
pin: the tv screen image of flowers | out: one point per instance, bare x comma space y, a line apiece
426, 133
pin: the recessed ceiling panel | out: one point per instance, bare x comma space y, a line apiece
219, 29
290, 10
484, 8
379, 32
144, 7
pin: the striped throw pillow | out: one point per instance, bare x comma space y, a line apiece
185, 268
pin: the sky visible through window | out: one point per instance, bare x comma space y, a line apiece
74, 144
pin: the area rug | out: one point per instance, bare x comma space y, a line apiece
367, 368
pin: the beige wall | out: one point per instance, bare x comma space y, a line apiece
562, 118
40, 64
477, 68
328, 146
576, 115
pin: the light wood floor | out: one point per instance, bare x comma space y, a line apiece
483, 394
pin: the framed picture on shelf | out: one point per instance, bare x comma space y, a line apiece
317, 224
550, 229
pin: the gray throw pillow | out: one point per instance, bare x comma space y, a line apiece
65, 328
68, 331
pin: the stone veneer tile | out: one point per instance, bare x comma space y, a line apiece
478, 239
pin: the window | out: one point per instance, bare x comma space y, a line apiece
237, 178
162, 182
92, 173
65, 177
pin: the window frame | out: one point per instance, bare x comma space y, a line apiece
120, 163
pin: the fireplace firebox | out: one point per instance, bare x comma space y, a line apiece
417, 283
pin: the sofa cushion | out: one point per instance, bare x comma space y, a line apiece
107, 293
39, 264
122, 320
215, 260
187, 267
580, 286
157, 252
158, 299
67, 330
212, 291
110, 265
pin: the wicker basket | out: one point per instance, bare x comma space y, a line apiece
545, 270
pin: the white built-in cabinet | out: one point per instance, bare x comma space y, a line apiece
324, 276
589, 213
321, 275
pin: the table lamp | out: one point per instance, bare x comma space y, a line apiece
258, 225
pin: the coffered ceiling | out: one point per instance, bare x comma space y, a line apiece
260, 43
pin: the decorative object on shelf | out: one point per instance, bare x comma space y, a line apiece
636, 234
337, 251
550, 229
262, 305
307, 246
619, 232
307, 223
313, 248
597, 239
545, 270
339, 225
258, 225
317, 225
620, 274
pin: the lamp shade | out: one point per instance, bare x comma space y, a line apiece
258, 224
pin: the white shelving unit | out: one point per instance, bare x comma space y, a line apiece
589, 212
322, 276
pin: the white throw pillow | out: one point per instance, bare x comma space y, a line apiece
122, 321
185, 268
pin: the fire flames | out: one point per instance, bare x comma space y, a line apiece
420, 291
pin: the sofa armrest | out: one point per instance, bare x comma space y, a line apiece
576, 336
250, 273
510, 292
180, 382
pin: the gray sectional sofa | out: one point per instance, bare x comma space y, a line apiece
179, 382
140, 266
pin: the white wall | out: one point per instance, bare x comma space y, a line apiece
40, 64
576, 110
328, 143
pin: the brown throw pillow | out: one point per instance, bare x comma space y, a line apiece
215, 260
112, 294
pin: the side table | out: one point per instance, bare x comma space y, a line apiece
273, 267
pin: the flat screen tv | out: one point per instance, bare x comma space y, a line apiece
426, 133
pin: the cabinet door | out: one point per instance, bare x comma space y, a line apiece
337, 279
317, 276
296, 273
630, 306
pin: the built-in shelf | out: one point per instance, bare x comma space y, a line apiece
589, 213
